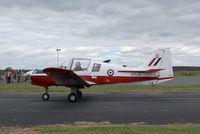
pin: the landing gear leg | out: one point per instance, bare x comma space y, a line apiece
79, 94
45, 96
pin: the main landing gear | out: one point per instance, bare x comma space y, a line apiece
72, 97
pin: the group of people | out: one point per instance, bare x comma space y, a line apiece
9, 76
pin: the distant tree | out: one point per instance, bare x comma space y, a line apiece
8, 69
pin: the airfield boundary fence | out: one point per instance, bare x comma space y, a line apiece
17, 76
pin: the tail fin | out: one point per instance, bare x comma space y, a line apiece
161, 59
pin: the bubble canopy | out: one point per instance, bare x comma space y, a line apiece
77, 64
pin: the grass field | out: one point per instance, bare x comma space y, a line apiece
105, 129
187, 73
123, 129
27, 87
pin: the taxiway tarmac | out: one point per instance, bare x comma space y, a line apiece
117, 108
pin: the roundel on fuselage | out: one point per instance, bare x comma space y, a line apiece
110, 72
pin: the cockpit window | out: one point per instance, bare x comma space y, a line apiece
80, 64
96, 67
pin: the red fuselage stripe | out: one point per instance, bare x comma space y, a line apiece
165, 78
115, 79
142, 71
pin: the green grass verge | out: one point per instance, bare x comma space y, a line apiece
27, 87
105, 129
187, 73
123, 129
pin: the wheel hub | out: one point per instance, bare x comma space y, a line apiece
72, 97
45, 96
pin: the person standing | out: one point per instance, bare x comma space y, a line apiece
8, 76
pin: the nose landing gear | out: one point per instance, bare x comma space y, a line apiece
45, 96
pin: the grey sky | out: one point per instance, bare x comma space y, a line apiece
125, 31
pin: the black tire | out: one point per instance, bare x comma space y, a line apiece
45, 97
79, 94
72, 97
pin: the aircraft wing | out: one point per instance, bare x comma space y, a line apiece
141, 71
65, 77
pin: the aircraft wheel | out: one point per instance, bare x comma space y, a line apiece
72, 97
45, 96
79, 94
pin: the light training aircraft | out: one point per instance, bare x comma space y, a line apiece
82, 73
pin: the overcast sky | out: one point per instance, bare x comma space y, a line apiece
126, 31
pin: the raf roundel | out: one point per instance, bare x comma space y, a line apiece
157, 55
110, 72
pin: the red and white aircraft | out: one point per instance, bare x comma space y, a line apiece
83, 73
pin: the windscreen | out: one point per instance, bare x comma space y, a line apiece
80, 64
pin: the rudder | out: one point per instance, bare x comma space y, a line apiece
161, 59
